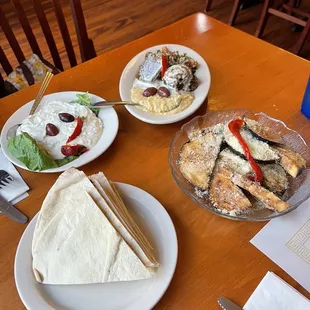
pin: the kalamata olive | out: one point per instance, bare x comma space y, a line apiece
151, 91
66, 117
163, 92
51, 130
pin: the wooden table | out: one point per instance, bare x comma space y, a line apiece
215, 255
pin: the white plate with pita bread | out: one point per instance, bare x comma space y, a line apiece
96, 245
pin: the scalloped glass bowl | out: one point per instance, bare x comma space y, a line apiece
299, 188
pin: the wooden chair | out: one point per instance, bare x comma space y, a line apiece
86, 45
234, 12
286, 10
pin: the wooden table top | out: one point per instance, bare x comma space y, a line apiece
215, 255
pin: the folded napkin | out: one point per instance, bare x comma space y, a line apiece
286, 241
14, 191
273, 293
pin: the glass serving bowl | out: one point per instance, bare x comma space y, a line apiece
299, 188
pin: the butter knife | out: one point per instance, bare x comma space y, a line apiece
226, 304
10, 211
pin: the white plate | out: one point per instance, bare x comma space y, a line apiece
107, 115
128, 77
136, 295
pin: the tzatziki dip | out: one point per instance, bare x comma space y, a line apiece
49, 115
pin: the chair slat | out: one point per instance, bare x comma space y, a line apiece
26, 27
47, 33
64, 32
86, 45
288, 17
5, 62
10, 37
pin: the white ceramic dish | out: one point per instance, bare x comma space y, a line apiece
137, 295
107, 115
128, 77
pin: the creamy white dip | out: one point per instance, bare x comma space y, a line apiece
35, 126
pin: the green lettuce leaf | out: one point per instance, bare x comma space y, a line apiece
84, 99
24, 148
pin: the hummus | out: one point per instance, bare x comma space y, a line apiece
35, 126
176, 103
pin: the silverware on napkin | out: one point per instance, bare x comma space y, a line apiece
226, 304
5, 206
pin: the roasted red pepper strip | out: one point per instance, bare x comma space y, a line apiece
164, 65
77, 131
235, 126
72, 150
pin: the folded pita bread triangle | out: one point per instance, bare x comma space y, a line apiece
112, 205
75, 243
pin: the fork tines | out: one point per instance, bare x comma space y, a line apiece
5, 178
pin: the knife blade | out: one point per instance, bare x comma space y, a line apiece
226, 304
10, 211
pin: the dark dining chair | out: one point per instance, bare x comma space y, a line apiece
86, 45
288, 10
233, 14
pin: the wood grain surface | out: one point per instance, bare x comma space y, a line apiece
215, 255
111, 24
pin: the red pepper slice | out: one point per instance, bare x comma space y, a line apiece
72, 150
164, 65
77, 131
235, 126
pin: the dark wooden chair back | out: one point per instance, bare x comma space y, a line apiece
288, 9
86, 45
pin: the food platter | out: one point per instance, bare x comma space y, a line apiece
293, 190
128, 77
108, 116
144, 294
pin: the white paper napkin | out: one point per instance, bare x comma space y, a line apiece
286, 241
273, 293
14, 191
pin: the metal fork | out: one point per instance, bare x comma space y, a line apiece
5, 178
41, 92
12, 131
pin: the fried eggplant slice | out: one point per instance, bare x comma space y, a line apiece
291, 161
260, 150
269, 199
217, 129
197, 158
233, 162
226, 196
267, 134
275, 178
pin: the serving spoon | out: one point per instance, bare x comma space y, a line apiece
11, 133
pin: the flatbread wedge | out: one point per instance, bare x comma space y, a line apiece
76, 243
115, 210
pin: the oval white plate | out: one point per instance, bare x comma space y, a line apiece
136, 295
107, 115
128, 77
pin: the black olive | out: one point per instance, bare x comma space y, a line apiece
51, 130
66, 117
163, 92
151, 91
